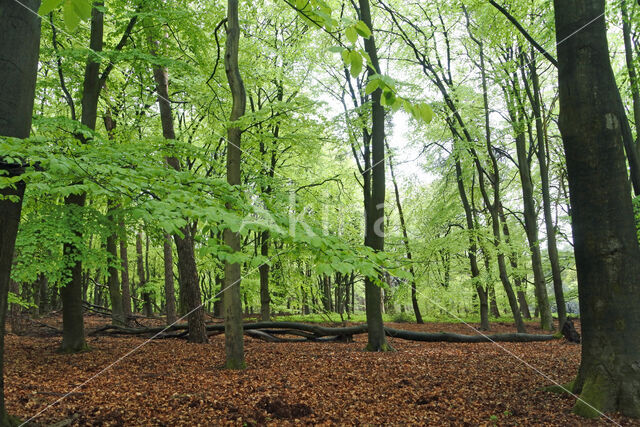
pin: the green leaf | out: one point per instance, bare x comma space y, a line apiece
426, 113
336, 49
372, 86
356, 63
346, 57
352, 34
388, 98
362, 29
82, 8
71, 18
48, 6
397, 104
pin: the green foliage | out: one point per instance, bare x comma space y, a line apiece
74, 11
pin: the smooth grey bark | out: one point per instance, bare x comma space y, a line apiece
234, 339
375, 215
607, 254
19, 51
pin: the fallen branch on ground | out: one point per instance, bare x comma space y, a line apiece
267, 331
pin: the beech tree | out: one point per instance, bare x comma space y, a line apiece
19, 49
592, 122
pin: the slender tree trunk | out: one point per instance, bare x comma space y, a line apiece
531, 227
592, 121
524, 305
117, 309
117, 312
126, 284
72, 320
407, 248
513, 261
472, 252
43, 283
234, 342
541, 152
142, 277
265, 299
375, 214
495, 312
190, 295
169, 288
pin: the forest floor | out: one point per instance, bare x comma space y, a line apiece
171, 382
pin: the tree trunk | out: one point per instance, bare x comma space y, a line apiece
606, 247
531, 227
126, 284
472, 252
405, 239
234, 340
265, 299
191, 286
524, 306
190, 296
117, 311
169, 288
43, 283
72, 319
541, 152
375, 213
142, 277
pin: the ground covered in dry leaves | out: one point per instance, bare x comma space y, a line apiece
171, 382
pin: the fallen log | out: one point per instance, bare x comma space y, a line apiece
312, 333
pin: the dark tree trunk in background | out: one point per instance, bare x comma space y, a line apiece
72, 319
592, 119
169, 287
234, 339
44, 306
189, 276
407, 248
19, 50
142, 277
117, 312
190, 295
541, 152
519, 284
472, 252
375, 213
531, 223
265, 299
125, 282
495, 311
